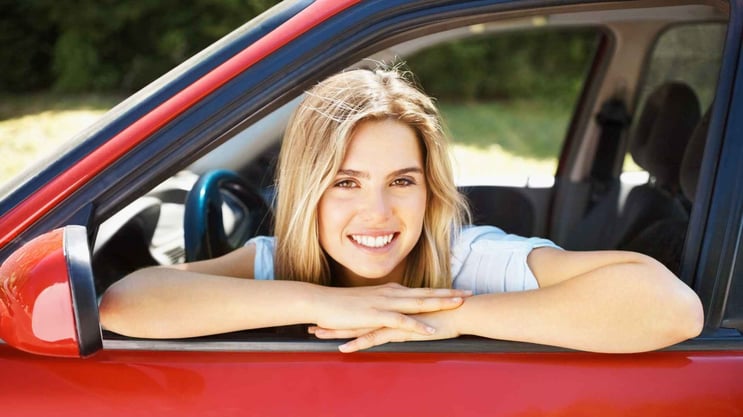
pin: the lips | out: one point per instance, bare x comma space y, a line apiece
373, 241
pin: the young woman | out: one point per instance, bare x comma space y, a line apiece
369, 246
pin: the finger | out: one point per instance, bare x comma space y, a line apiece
405, 322
401, 291
363, 342
315, 328
374, 338
321, 333
329, 333
416, 305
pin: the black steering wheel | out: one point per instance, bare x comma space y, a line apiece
204, 226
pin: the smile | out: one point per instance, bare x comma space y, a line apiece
373, 241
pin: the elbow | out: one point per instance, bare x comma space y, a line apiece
690, 315
125, 303
685, 313
680, 315
109, 312
117, 312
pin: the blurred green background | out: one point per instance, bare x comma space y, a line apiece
63, 65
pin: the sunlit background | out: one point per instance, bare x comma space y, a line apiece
508, 105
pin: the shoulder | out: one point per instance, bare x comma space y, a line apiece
263, 243
473, 237
487, 259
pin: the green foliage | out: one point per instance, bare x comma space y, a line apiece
515, 89
547, 64
106, 45
531, 128
27, 44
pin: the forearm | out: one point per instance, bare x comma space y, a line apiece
175, 302
624, 307
167, 303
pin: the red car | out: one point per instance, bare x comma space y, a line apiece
182, 170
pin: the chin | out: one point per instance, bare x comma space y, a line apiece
373, 275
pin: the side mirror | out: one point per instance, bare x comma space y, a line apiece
47, 297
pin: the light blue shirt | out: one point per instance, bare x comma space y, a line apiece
485, 259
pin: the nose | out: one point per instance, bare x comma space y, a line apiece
376, 204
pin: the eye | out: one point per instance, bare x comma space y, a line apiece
346, 183
403, 182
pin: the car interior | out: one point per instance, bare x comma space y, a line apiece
624, 112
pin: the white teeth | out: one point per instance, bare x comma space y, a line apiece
371, 241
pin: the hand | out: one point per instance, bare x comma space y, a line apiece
366, 338
389, 306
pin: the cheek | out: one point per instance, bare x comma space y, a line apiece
322, 216
415, 208
330, 215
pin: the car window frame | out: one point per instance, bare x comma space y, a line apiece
717, 216
196, 142
249, 341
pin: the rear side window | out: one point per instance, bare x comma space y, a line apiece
667, 137
507, 99
690, 54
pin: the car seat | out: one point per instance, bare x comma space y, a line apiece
503, 207
658, 143
664, 239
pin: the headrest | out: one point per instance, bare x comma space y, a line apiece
692, 162
668, 118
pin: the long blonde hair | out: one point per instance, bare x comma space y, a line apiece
313, 150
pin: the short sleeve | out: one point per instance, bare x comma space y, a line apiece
265, 247
485, 259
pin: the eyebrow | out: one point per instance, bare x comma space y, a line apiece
362, 174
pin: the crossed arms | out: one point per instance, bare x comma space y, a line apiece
603, 301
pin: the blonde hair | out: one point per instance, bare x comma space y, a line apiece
313, 150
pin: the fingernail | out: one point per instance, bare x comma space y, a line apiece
343, 347
456, 299
430, 330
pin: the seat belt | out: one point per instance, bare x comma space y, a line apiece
613, 118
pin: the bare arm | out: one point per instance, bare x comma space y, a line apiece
608, 301
209, 297
598, 301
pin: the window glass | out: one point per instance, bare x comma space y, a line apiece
690, 54
507, 99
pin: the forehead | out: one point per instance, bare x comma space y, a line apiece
384, 142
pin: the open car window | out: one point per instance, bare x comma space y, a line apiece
528, 145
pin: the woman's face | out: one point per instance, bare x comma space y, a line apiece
371, 217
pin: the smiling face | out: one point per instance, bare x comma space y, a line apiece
371, 217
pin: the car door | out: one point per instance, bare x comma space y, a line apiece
285, 371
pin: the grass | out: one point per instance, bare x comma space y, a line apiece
33, 126
519, 138
505, 140
16, 106
525, 128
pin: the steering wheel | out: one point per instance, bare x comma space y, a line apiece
204, 226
